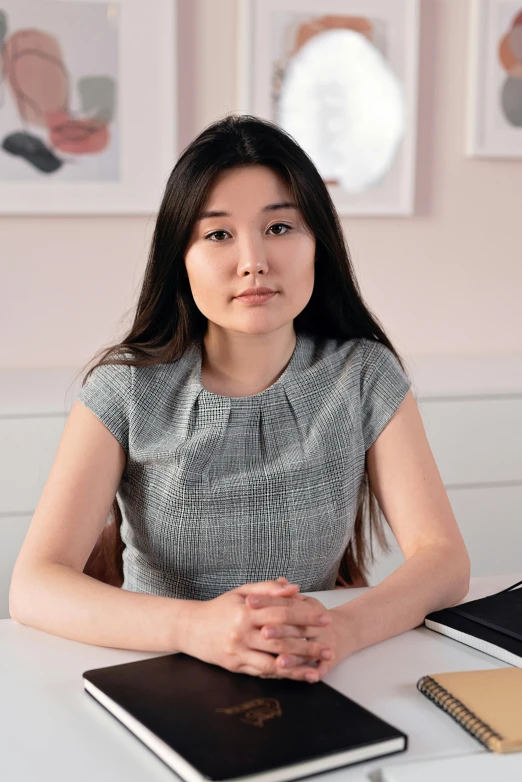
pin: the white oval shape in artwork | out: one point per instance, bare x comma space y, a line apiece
344, 105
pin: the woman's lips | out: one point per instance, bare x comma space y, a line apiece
258, 298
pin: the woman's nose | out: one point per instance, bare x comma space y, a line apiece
252, 255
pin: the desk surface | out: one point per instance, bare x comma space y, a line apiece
50, 729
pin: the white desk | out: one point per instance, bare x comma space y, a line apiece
53, 731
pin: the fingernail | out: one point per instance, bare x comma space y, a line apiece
326, 654
254, 601
311, 677
324, 620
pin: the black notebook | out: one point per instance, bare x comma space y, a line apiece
491, 624
206, 723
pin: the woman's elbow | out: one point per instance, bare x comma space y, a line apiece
462, 575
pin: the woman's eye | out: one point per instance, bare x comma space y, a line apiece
209, 236
214, 236
281, 225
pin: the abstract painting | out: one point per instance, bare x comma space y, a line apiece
87, 105
494, 126
341, 78
59, 108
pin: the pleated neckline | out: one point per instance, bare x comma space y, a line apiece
289, 370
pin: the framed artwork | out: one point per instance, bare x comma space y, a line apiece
494, 126
87, 105
341, 77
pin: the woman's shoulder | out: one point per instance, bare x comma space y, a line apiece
126, 396
347, 362
334, 352
121, 372
363, 350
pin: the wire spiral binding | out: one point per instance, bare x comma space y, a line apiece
456, 709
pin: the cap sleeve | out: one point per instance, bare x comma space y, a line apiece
384, 385
107, 393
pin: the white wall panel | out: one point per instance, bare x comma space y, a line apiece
12, 534
475, 440
490, 520
27, 450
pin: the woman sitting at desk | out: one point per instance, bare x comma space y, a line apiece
241, 433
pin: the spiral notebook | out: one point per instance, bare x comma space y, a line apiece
491, 624
488, 704
207, 723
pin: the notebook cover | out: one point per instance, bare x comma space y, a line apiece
230, 725
501, 612
464, 625
493, 697
495, 620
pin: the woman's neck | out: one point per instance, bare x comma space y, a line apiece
244, 364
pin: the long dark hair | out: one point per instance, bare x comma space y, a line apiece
167, 318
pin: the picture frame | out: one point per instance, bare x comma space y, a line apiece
267, 34
96, 132
494, 114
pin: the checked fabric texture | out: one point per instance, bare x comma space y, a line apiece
218, 491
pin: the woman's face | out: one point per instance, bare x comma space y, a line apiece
255, 241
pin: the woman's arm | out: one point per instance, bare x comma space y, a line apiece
48, 589
406, 482
50, 592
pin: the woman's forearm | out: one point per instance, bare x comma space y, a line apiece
431, 579
72, 605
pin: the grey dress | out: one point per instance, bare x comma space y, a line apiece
220, 491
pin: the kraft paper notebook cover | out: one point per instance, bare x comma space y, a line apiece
206, 723
492, 624
488, 704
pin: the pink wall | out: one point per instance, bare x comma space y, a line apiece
447, 281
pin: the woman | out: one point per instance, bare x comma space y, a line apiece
247, 421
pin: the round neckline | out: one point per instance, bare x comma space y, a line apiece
282, 376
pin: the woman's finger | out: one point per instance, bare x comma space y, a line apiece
277, 631
293, 613
284, 580
323, 668
263, 665
298, 672
300, 647
286, 600
262, 601
288, 661
294, 631
267, 588
257, 663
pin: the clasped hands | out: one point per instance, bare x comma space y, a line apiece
268, 629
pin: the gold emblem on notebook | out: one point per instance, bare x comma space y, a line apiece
256, 711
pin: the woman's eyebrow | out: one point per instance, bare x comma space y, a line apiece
269, 208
